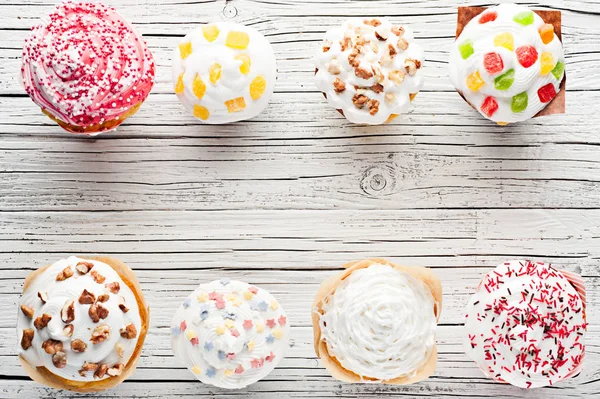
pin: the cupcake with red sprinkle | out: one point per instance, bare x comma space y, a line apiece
526, 324
86, 67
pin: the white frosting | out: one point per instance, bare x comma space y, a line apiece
333, 63
521, 308
528, 80
232, 83
230, 334
58, 293
380, 323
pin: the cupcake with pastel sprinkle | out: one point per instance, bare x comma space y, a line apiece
230, 334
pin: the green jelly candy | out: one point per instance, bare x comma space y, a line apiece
524, 18
558, 70
504, 81
466, 49
519, 102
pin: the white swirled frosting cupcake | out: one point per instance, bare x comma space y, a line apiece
370, 70
81, 324
224, 72
526, 324
507, 63
376, 322
230, 334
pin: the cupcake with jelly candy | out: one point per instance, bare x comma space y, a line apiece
86, 67
230, 334
508, 62
370, 70
224, 72
81, 324
376, 322
526, 324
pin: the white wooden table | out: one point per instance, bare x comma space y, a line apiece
285, 199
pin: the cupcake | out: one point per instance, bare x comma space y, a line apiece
224, 72
508, 62
370, 70
526, 324
87, 68
81, 324
230, 334
376, 321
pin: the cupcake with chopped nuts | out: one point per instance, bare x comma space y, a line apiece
370, 70
81, 324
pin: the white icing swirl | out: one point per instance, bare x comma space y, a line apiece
201, 49
525, 325
526, 79
60, 292
380, 323
386, 68
230, 334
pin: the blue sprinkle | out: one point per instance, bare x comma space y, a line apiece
204, 315
211, 372
186, 303
231, 316
263, 306
175, 331
225, 281
221, 355
270, 339
208, 346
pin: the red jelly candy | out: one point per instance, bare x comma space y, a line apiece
488, 17
489, 106
527, 55
547, 93
492, 62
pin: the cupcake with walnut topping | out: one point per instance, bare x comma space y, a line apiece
370, 70
81, 324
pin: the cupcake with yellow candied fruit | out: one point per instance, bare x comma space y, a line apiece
224, 72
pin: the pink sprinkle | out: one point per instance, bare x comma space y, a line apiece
183, 326
248, 324
270, 323
234, 332
282, 321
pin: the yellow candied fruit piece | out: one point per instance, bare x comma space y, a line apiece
258, 87
211, 32
201, 112
196, 370
237, 40
547, 63
503, 123
547, 33
203, 297
191, 334
260, 327
250, 346
228, 372
230, 297
235, 105
236, 302
248, 295
179, 86
505, 40
245, 67
220, 330
185, 49
474, 81
274, 305
277, 333
229, 324
214, 73
199, 87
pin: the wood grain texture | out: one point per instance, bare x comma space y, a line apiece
285, 199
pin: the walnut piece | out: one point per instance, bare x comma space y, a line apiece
103, 298
97, 277
100, 334
87, 298
402, 43
116, 370
411, 66
97, 312
346, 43
372, 22
27, 338
377, 88
392, 50
359, 100
373, 106
390, 97
381, 34
129, 332
84, 267
59, 359
88, 367
339, 86
398, 31
101, 371
363, 73
67, 314
42, 321
334, 67
64, 274
114, 287
78, 345
52, 346
68, 330
122, 305
397, 76
120, 350
27, 311
43, 296
326, 46
353, 57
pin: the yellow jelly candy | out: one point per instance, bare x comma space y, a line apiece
230, 297
248, 295
179, 86
214, 73
220, 330
237, 40
505, 40
245, 67
228, 372
274, 305
260, 327
185, 49
196, 370
474, 81
235, 105
229, 324
258, 87
277, 333
191, 334
547, 63
201, 112
203, 297
547, 33
198, 87
250, 346
211, 32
